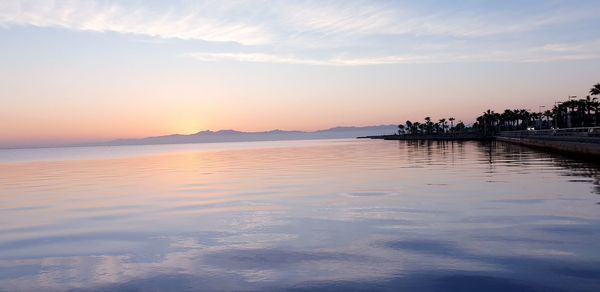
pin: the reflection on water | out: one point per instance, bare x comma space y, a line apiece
319, 215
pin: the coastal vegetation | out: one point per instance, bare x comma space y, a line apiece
430, 127
573, 112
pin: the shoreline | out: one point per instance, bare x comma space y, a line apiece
437, 137
578, 146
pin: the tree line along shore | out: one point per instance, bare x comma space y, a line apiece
573, 112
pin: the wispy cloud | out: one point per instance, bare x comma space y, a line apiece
446, 54
359, 18
353, 33
272, 22
331, 18
278, 59
181, 23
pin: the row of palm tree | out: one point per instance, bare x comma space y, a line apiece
430, 127
584, 112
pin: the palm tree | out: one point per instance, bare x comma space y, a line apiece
496, 117
479, 123
418, 127
581, 109
560, 113
507, 117
536, 118
548, 114
428, 125
595, 90
516, 114
588, 104
451, 119
400, 129
595, 105
591, 103
571, 105
488, 121
409, 126
525, 115
443, 125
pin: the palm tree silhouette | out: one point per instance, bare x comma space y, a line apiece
582, 112
443, 125
525, 115
418, 127
400, 129
595, 90
516, 116
428, 124
548, 114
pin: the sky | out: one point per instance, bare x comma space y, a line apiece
82, 71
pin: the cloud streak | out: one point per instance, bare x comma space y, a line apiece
280, 59
193, 24
368, 18
273, 22
448, 54
367, 32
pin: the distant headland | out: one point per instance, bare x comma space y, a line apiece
274, 135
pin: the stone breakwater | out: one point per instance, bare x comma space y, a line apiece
588, 146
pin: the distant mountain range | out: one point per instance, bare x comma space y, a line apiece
275, 135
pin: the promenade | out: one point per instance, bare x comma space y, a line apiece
580, 141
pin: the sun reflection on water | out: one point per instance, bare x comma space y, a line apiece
327, 214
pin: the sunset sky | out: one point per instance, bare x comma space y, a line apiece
79, 71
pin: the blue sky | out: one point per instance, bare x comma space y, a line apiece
187, 66
335, 32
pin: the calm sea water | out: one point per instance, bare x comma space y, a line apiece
299, 215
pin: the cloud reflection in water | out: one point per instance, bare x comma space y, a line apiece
330, 215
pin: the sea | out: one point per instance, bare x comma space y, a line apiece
312, 215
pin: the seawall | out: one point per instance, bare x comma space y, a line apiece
578, 147
433, 137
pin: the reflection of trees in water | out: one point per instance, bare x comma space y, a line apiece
495, 153
570, 165
433, 152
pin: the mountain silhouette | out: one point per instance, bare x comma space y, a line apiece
274, 135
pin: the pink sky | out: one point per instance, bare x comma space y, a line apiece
77, 72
